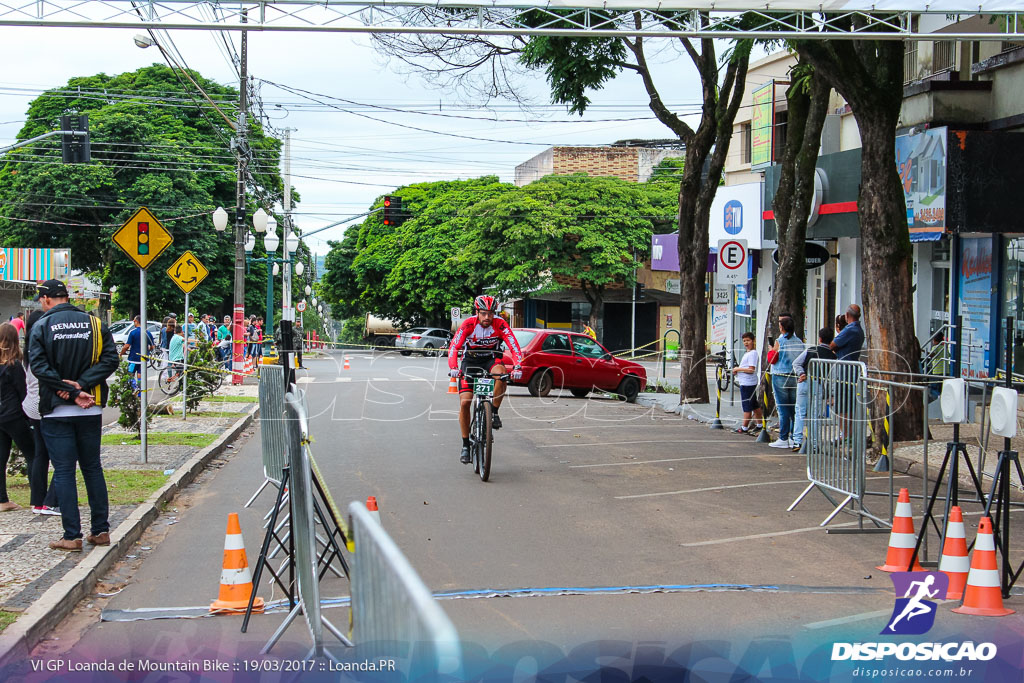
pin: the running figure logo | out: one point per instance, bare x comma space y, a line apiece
914, 612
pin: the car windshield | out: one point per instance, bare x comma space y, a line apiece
523, 337
417, 330
119, 325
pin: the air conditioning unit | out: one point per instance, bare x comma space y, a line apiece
1003, 412
953, 401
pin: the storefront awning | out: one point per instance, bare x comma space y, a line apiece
926, 236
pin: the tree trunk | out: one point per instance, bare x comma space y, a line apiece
693, 264
808, 106
595, 295
869, 74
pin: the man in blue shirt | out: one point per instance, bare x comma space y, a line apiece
848, 342
132, 346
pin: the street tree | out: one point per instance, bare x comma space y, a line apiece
807, 101
562, 230
575, 67
869, 75
155, 143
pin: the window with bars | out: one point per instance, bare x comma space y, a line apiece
745, 142
943, 56
910, 62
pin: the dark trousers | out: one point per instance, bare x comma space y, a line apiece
14, 431
39, 473
72, 440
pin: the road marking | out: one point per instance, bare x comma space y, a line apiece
384, 379
613, 425
701, 457
342, 379
712, 488
628, 443
850, 619
767, 534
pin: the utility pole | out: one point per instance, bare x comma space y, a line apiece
242, 150
287, 312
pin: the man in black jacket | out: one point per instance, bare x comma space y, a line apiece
71, 354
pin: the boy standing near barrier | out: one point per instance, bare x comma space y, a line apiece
746, 380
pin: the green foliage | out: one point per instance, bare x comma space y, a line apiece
204, 374
173, 159
574, 66
596, 230
124, 396
352, 329
662, 189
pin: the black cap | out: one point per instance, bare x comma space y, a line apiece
54, 288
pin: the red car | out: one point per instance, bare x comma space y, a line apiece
557, 358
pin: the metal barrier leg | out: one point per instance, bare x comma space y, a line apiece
837, 510
800, 497
257, 494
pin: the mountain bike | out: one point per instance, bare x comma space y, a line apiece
481, 437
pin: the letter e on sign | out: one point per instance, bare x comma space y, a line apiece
732, 262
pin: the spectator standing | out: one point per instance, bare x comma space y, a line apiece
840, 322
787, 347
746, 379
13, 423
224, 340
133, 345
822, 351
43, 499
19, 322
167, 332
72, 353
847, 344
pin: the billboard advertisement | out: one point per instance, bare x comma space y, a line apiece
921, 161
762, 123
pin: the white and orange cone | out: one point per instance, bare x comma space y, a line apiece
347, 366
954, 562
983, 596
902, 539
235, 577
453, 386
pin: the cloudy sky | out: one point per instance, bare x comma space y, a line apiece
346, 149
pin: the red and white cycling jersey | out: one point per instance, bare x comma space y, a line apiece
477, 338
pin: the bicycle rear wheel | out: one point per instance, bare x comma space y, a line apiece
486, 440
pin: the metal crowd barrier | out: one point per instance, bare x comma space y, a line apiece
836, 437
272, 427
392, 606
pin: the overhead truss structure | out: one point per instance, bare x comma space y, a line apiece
829, 19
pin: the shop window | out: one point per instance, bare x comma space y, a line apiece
745, 143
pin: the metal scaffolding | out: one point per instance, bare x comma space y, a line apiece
835, 19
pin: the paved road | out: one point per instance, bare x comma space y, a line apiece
584, 493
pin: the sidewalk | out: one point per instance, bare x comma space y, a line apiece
29, 568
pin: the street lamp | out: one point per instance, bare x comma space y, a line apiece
220, 219
259, 220
309, 290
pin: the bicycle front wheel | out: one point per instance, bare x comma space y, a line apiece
169, 381
486, 439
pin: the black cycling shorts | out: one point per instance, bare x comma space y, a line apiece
485, 362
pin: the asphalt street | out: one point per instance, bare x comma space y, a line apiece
686, 528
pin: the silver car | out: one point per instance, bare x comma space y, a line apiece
119, 330
425, 340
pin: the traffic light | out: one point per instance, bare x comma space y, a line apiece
393, 212
143, 238
75, 149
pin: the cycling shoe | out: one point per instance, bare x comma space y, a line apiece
495, 421
464, 458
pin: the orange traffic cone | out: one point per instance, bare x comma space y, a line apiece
983, 596
371, 506
453, 387
235, 578
902, 539
347, 366
954, 562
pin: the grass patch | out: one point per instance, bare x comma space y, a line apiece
162, 439
6, 619
232, 399
219, 413
124, 487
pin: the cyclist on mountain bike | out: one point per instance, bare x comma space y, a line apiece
482, 337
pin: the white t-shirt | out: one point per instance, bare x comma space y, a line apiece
748, 379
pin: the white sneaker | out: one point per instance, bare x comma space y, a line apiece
780, 443
793, 444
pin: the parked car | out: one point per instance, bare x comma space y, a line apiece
568, 360
425, 340
119, 330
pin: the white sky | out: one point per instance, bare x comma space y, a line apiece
353, 159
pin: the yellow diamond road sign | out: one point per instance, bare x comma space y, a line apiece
187, 272
143, 238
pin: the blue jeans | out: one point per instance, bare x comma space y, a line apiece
785, 400
72, 440
802, 391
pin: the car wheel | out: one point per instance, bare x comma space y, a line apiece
628, 389
406, 353
541, 383
580, 393
428, 350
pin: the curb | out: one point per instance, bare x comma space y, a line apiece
17, 641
